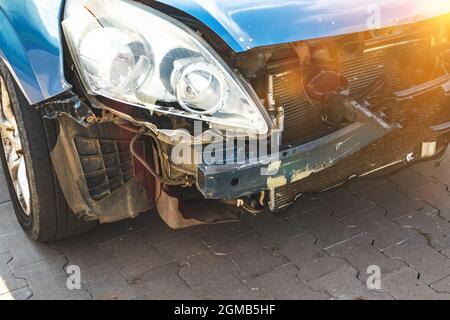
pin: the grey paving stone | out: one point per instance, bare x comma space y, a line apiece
135, 254
311, 260
360, 253
48, 280
404, 285
112, 231
183, 248
434, 228
273, 230
163, 283
229, 287
20, 294
344, 203
409, 180
440, 173
105, 282
303, 205
8, 282
437, 196
388, 197
248, 253
327, 229
431, 265
446, 252
4, 193
158, 231
8, 220
213, 276
442, 286
84, 251
382, 229
119, 261
25, 251
284, 284
362, 185
207, 267
218, 233
78, 296
343, 284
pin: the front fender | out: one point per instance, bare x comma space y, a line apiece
30, 45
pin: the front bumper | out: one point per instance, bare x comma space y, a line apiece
289, 166
293, 165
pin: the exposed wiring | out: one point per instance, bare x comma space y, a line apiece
251, 210
302, 69
125, 127
140, 159
306, 93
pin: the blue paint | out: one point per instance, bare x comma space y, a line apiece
30, 43
245, 24
30, 40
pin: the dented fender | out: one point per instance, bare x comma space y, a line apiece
31, 46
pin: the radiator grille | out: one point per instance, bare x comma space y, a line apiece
392, 148
397, 64
107, 164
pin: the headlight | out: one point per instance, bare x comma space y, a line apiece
132, 53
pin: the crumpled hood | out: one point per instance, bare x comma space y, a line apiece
245, 24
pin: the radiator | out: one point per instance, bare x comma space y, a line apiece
398, 63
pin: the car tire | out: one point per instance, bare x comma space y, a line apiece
47, 216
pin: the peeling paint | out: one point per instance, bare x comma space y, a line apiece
276, 182
274, 167
300, 175
303, 161
303, 174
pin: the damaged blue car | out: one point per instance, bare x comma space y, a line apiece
206, 109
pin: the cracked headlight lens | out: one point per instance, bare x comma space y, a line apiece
134, 54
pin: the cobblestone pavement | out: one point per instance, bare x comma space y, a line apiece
320, 249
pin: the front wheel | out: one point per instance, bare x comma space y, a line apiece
26, 142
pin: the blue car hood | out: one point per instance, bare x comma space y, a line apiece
31, 37
245, 24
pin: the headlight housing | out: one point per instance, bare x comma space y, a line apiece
134, 54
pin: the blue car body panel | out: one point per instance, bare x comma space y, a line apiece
246, 24
30, 41
30, 44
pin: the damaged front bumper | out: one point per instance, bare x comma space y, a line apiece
372, 125
290, 166
294, 164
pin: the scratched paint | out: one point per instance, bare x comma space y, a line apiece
274, 168
300, 175
276, 182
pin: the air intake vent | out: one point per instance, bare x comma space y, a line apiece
107, 164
